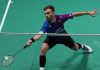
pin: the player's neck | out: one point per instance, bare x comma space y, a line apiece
53, 19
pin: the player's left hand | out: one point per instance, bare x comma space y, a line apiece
92, 13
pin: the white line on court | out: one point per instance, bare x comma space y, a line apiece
5, 14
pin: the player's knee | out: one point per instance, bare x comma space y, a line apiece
44, 49
75, 47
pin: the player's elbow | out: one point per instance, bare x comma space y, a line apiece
37, 37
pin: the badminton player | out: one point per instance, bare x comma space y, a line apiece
55, 24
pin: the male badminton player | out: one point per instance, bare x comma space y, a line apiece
55, 24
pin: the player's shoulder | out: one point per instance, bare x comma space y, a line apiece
58, 16
46, 23
61, 16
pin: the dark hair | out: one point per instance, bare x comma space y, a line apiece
49, 7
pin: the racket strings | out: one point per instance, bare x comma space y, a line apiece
7, 60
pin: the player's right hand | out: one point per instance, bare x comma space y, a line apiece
28, 44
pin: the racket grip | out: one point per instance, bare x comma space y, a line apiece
25, 46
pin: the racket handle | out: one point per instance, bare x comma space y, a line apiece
25, 46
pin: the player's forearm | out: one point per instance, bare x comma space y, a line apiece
76, 14
37, 37
33, 39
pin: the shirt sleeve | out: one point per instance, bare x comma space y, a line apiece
44, 27
66, 16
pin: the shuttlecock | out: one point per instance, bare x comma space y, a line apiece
6, 57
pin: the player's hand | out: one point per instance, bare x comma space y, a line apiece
92, 13
28, 44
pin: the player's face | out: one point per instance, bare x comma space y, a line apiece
49, 14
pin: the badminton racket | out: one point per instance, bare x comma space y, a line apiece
8, 59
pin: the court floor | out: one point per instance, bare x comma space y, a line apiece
26, 16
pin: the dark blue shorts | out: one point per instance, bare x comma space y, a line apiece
53, 40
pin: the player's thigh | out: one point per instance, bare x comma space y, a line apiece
44, 49
69, 42
45, 46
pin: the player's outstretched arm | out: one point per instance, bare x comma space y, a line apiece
91, 13
33, 39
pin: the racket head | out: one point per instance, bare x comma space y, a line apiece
7, 60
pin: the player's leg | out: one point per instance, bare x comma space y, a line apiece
47, 44
69, 42
75, 46
44, 49
84, 47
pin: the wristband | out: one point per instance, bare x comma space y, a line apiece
32, 39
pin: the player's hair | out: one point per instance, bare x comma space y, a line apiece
49, 7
